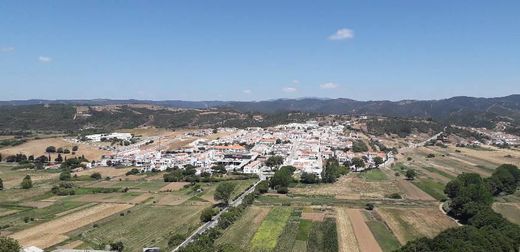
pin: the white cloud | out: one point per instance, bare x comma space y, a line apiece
342, 34
7, 49
289, 89
247, 91
296, 82
329, 85
44, 59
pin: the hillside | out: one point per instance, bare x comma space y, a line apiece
465, 111
72, 118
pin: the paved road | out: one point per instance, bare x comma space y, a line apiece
214, 221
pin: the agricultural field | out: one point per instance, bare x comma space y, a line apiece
510, 211
143, 225
270, 229
37, 148
411, 223
352, 186
243, 230
149, 212
283, 229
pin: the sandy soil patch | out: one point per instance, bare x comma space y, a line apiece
37, 204
8, 212
173, 186
313, 216
364, 236
346, 238
411, 223
72, 245
171, 199
52, 232
105, 171
116, 198
75, 209
413, 192
141, 198
37, 148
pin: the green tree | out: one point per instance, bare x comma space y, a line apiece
378, 161
262, 187
206, 214
359, 146
220, 169
224, 191
331, 171
27, 182
282, 177
117, 246
50, 149
274, 161
309, 178
410, 174
358, 162
8, 244
59, 159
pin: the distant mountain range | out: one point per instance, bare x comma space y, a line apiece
461, 110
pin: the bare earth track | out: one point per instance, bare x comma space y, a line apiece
365, 238
346, 238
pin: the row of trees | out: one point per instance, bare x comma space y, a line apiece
470, 199
53, 149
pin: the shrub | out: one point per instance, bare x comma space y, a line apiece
65, 175
282, 190
262, 187
27, 182
394, 196
96, 175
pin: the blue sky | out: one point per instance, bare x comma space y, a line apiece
257, 50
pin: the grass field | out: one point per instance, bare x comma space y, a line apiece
266, 236
433, 188
373, 175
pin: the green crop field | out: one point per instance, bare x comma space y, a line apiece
266, 236
431, 187
383, 235
323, 237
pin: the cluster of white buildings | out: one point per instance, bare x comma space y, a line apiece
107, 137
305, 146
